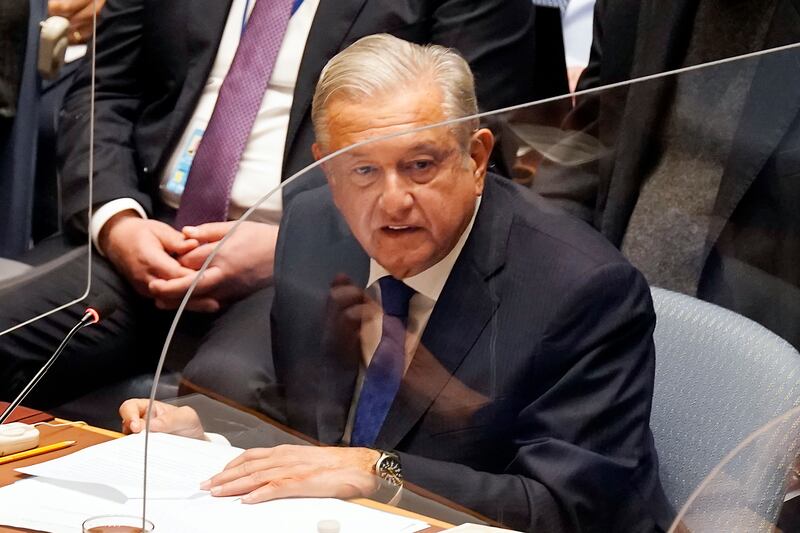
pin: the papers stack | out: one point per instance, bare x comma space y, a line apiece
107, 479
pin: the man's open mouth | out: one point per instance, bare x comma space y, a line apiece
399, 230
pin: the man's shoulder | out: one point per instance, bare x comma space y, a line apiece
542, 229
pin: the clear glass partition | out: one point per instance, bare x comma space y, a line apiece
47, 162
743, 492
510, 376
523, 396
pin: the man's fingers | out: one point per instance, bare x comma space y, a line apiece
195, 258
199, 305
173, 240
250, 476
210, 232
161, 265
204, 305
83, 16
175, 289
64, 8
131, 411
253, 454
324, 484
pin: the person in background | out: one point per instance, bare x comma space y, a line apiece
171, 124
13, 29
697, 186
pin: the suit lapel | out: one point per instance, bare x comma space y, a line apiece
462, 312
205, 24
772, 105
330, 28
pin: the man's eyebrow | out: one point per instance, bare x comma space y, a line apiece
424, 146
366, 153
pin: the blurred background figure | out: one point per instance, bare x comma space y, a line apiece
569, 21
13, 24
30, 98
697, 180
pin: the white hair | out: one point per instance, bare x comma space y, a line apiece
382, 65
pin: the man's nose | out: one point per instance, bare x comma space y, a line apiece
396, 198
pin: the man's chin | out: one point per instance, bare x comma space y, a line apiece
401, 266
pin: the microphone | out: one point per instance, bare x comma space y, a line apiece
103, 307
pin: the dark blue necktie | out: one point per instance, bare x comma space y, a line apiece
385, 371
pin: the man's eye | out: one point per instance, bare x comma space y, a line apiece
364, 171
422, 164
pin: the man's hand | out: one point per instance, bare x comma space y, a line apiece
79, 14
288, 471
165, 418
142, 250
242, 265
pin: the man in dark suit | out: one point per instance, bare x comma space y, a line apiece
698, 185
159, 67
445, 322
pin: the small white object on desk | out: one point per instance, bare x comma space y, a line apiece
17, 437
328, 526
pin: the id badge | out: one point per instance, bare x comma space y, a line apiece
177, 179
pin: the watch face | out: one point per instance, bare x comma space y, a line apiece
389, 469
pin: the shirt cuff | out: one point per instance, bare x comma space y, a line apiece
108, 210
216, 438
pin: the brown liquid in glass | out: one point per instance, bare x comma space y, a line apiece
114, 529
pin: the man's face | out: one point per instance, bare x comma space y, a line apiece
409, 198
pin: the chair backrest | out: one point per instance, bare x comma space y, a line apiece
719, 378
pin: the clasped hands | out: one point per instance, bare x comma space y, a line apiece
161, 262
263, 474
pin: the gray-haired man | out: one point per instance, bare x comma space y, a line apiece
519, 384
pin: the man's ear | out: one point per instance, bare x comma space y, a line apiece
480, 149
316, 151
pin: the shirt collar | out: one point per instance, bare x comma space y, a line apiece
429, 282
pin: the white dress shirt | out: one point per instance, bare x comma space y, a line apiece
428, 285
577, 21
260, 166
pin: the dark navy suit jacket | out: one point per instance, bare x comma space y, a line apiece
529, 398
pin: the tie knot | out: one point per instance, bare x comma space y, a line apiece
395, 296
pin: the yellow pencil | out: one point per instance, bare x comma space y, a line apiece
37, 451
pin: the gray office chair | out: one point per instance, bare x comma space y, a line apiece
719, 378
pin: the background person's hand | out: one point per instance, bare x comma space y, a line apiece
79, 14
288, 471
142, 250
165, 418
243, 265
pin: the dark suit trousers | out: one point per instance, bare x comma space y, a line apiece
230, 349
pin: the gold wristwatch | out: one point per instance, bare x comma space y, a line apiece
388, 468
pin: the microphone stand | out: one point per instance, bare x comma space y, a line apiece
89, 318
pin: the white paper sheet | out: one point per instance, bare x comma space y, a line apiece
107, 479
177, 465
61, 507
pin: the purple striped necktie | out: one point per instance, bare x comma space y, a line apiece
208, 187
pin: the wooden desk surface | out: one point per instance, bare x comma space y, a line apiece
89, 436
